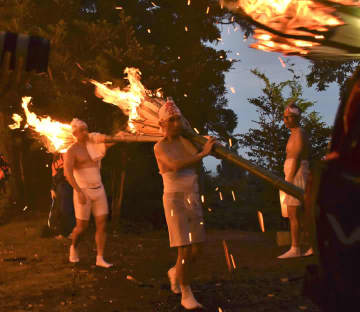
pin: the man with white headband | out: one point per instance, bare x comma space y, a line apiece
296, 169
82, 170
177, 159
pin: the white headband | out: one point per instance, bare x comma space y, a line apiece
77, 124
168, 110
292, 109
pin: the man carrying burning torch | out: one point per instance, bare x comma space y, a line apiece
177, 159
296, 169
82, 170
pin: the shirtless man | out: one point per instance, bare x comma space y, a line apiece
296, 169
82, 170
177, 159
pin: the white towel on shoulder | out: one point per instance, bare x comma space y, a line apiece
96, 146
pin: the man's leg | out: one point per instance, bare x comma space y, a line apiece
100, 238
294, 218
81, 226
184, 275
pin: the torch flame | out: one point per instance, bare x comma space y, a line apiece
289, 17
58, 136
127, 99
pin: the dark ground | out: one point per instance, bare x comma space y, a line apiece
35, 274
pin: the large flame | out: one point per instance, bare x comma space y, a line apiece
57, 136
127, 99
308, 18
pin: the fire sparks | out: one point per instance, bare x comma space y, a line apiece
202, 198
230, 142
17, 121
233, 261
232, 90
190, 237
220, 195
282, 62
197, 131
189, 2
291, 18
233, 195
261, 221
58, 136
208, 10
186, 28
149, 30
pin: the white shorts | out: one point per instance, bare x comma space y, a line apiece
96, 203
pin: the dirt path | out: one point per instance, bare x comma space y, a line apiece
41, 279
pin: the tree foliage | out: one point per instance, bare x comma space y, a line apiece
266, 143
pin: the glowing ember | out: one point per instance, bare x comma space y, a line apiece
186, 28
149, 30
290, 18
282, 62
208, 10
230, 142
57, 136
233, 195
17, 120
172, 212
189, 2
220, 195
197, 131
261, 221
190, 238
202, 198
233, 261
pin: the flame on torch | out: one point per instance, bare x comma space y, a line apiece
57, 135
132, 100
289, 26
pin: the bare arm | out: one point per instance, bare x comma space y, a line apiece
297, 149
69, 162
176, 165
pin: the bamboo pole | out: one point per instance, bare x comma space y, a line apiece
262, 173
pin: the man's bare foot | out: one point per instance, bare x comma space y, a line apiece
174, 284
102, 263
188, 300
308, 253
294, 252
74, 256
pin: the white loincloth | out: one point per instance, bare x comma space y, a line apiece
183, 208
89, 180
300, 180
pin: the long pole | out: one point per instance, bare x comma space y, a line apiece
262, 173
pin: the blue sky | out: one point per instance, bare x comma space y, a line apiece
246, 85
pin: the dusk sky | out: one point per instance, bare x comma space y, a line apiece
246, 85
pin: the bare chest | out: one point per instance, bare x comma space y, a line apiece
82, 158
